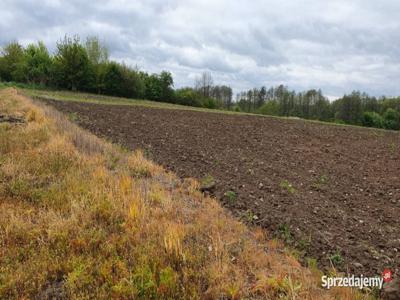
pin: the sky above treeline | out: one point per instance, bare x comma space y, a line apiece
337, 45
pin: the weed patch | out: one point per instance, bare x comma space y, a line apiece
231, 196
286, 185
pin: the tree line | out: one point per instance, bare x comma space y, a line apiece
80, 66
86, 66
356, 108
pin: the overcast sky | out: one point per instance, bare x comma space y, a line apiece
337, 46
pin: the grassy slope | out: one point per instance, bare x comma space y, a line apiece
101, 99
81, 218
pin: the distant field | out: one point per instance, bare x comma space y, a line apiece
331, 191
109, 100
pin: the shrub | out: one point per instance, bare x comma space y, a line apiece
210, 103
37, 64
372, 119
269, 108
336, 258
391, 119
187, 96
11, 62
158, 87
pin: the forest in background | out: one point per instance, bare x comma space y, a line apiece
86, 66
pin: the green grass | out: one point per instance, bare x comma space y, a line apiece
207, 180
336, 259
110, 100
29, 86
392, 148
287, 186
320, 182
231, 195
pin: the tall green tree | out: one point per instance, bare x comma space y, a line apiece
37, 64
12, 62
153, 88
112, 80
72, 67
348, 108
261, 97
159, 87
167, 83
133, 84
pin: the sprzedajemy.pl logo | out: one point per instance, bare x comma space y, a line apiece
357, 281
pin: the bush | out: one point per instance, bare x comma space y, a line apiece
269, 108
210, 103
37, 64
372, 119
119, 80
187, 96
391, 119
158, 87
112, 80
11, 62
339, 121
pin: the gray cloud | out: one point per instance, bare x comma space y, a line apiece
334, 45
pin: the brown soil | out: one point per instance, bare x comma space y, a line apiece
333, 192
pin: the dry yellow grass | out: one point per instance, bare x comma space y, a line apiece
82, 219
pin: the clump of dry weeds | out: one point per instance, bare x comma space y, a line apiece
80, 218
